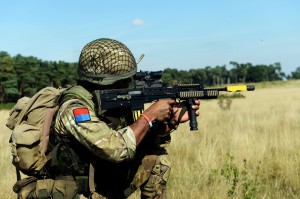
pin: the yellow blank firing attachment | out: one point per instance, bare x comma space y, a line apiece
236, 88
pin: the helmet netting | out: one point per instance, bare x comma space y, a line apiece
106, 57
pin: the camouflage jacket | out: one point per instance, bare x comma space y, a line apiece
76, 118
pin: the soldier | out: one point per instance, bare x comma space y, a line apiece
108, 153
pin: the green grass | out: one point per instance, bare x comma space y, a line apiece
7, 106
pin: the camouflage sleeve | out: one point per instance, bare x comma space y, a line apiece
81, 122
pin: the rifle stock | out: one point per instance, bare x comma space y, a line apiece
137, 97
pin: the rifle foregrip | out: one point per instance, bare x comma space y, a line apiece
193, 121
192, 115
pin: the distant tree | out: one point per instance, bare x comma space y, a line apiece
26, 69
3, 54
256, 73
239, 71
44, 75
295, 74
170, 76
167, 79
273, 72
220, 75
198, 75
210, 75
259, 73
280, 75
8, 78
65, 73
184, 77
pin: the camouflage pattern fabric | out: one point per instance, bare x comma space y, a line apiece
94, 134
120, 169
151, 177
156, 184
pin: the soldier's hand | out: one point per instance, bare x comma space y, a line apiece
177, 109
160, 110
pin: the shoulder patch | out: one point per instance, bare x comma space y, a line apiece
81, 115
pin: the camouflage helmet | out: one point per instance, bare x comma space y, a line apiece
105, 61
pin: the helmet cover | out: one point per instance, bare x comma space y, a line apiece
105, 61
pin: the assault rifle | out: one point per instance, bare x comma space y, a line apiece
137, 97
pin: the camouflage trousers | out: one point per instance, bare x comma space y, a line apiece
151, 180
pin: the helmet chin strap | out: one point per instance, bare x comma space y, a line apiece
140, 59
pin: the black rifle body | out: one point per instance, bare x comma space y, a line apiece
137, 97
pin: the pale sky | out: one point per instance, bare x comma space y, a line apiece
177, 34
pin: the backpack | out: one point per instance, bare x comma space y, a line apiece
30, 120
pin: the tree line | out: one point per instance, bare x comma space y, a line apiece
239, 73
24, 76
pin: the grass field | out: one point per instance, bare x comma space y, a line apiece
248, 151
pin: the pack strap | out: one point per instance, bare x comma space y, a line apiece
23, 183
46, 129
18, 172
92, 176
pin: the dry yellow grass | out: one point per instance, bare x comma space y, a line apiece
249, 151
8, 176
261, 131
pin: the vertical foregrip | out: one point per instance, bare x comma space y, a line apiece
192, 114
